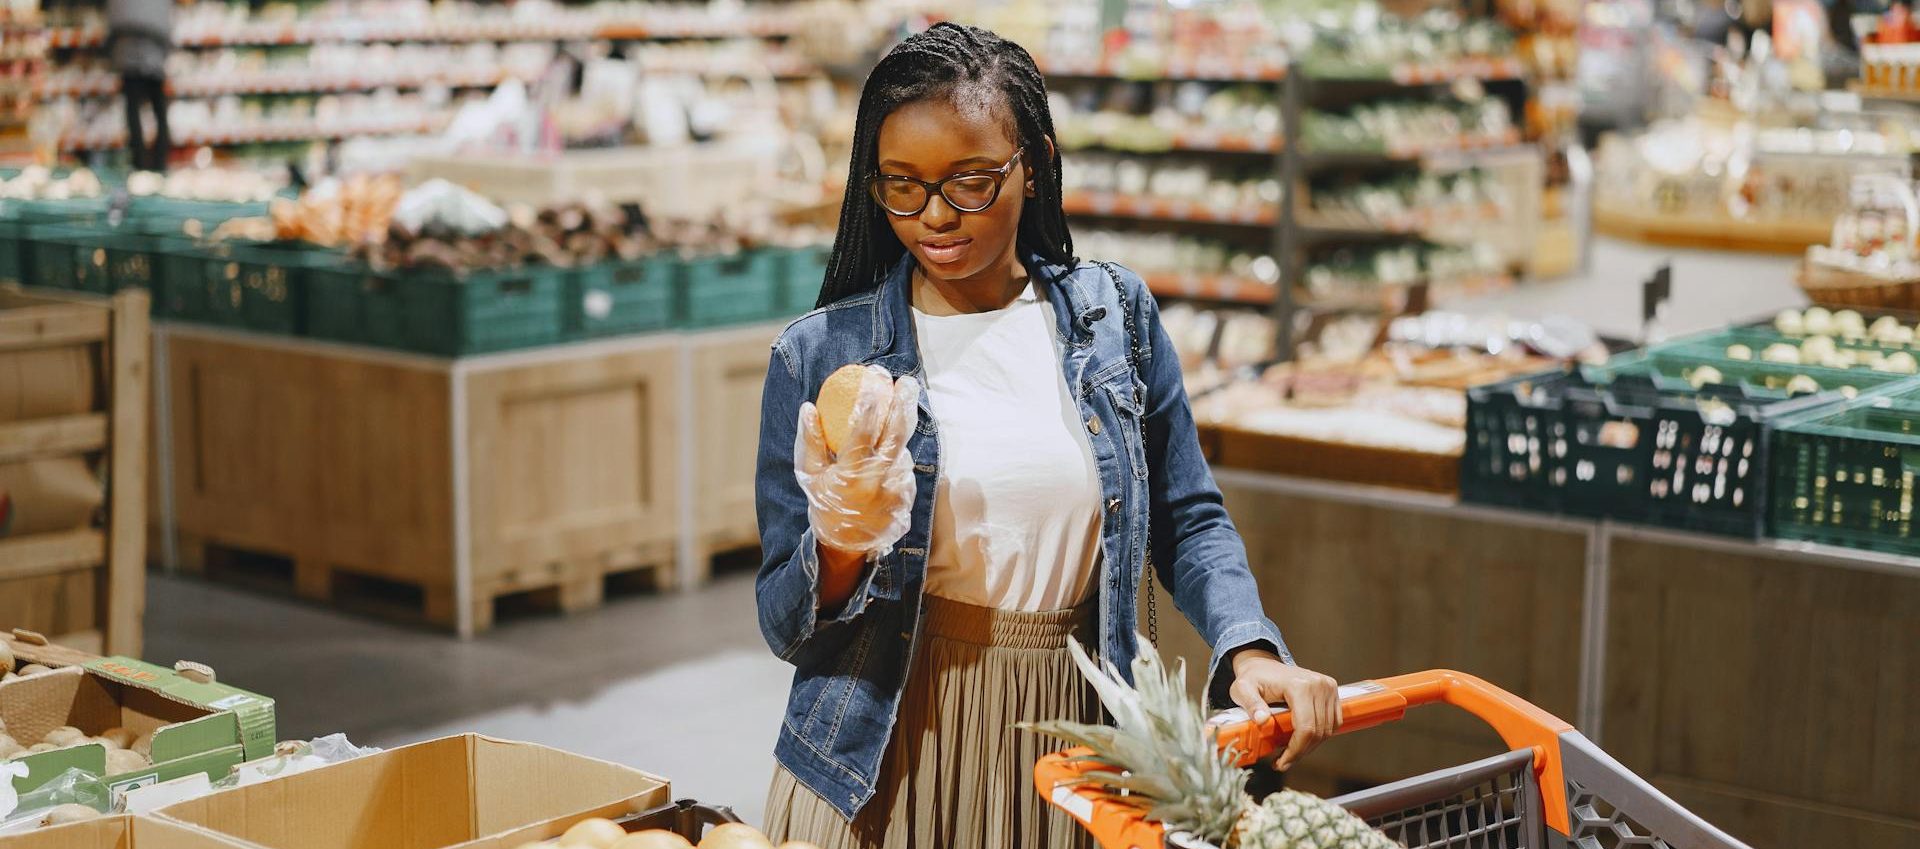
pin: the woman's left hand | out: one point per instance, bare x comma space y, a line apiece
1261, 678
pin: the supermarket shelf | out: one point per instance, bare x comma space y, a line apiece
1393, 297
217, 86
1899, 95
1324, 226
1456, 150
1424, 73
271, 35
1109, 205
1203, 141
1210, 287
264, 135
1216, 71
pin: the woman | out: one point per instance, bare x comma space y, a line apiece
924, 579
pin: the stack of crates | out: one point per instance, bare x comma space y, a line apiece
1636, 440
1844, 475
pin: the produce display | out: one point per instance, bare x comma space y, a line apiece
1155, 251
1366, 42
1167, 117
1160, 757
1412, 202
1361, 271
1410, 127
1205, 185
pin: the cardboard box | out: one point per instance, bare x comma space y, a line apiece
446, 792
120, 833
195, 727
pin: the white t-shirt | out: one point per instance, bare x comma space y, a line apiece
1016, 516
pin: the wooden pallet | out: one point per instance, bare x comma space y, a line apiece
84, 586
560, 587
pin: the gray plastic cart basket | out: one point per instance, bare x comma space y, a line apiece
1554, 789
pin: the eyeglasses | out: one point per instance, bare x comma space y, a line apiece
967, 191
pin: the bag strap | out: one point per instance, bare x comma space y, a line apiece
1133, 360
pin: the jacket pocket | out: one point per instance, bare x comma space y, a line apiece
1128, 396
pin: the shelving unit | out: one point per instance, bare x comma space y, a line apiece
1294, 230
766, 23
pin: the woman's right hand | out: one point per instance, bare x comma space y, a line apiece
860, 500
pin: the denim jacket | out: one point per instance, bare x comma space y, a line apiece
850, 665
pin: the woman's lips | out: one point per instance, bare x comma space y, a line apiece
946, 253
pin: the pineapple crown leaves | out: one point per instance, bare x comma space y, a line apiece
1159, 750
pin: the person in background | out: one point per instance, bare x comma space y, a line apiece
139, 39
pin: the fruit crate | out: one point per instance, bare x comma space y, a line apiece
17, 219
267, 282
800, 280
1553, 787
1635, 440
188, 284
209, 213
730, 289
433, 311
623, 296
1845, 475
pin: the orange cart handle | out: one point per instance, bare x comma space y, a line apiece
1363, 705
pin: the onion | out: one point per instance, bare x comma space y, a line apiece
653, 839
734, 835
594, 832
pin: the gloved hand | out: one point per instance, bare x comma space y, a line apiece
861, 499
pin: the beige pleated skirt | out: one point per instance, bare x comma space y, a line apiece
957, 774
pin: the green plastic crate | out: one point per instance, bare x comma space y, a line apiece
1846, 475
439, 312
188, 284
209, 213
805, 270
269, 281
731, 289
51, 255
16, 245
618, 297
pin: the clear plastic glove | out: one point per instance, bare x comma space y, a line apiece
861, 499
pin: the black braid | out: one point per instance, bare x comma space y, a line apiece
971, 65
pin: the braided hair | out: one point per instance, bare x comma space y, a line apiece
974, 67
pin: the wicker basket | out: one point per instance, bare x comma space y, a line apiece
1838, 287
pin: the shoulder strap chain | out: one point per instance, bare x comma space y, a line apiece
1133, 360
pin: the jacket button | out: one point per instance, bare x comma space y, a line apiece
1093, 425
1113, 505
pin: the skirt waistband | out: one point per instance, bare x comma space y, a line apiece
1011, 629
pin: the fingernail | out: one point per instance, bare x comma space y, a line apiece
1262, 715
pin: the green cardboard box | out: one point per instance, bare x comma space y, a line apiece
195, 727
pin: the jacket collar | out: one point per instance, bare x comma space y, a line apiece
1075, 309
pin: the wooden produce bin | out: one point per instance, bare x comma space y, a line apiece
73, 418
728, 370
449, 483
1774, 695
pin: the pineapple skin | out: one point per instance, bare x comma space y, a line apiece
1290, 819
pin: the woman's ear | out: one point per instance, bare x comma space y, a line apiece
1033, 186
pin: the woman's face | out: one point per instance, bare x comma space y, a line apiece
930, 140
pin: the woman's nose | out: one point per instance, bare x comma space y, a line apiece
938, 214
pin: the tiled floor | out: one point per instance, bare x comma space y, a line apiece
681, 685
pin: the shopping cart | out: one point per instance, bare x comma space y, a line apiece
1554, 789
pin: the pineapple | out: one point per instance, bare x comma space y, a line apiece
1291, 819
1161, 757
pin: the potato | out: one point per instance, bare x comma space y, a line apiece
65, 735
122, 761
1901, 362
1739, 352
1790, 323
68, 814
836, 399
1818, 321
653, 839
118, 738
1704, 375
1885, 328
33, 669
735, 835
1781, 352
6, 655
39, 748
1849, 324
1802, 385
593, 832
1817, 349
142, 744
